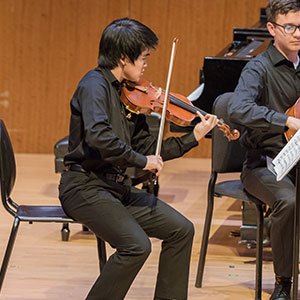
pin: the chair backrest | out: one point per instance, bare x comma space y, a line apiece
227, 156
7, 166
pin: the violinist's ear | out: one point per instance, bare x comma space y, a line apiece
123, 61
271, 28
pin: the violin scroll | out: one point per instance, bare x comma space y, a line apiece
230, 135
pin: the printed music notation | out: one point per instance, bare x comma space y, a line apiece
286, 158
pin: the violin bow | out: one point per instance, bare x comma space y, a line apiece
164, 111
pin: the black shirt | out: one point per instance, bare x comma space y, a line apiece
102, 138
268, 86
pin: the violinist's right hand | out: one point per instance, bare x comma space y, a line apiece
154, 164
293, 123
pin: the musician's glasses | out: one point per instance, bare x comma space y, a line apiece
288, 29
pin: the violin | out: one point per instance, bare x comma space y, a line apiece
293, 111
144, 98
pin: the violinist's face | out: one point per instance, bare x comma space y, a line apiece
134, 71
286, 43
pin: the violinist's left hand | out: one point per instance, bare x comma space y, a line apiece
208, 122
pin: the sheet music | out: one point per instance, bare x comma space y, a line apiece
286, 158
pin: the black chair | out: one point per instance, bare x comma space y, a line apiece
228, 157
26, 213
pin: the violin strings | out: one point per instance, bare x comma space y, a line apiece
192, 109
186, 106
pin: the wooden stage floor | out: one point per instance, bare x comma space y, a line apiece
44, 267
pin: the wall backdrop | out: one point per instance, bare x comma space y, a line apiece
47, 45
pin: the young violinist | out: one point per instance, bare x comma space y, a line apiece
268, 86
103, 142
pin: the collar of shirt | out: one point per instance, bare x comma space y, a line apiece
276, 57
111, 78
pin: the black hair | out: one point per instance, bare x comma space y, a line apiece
124, 38
276, 7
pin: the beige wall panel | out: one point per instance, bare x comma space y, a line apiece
47, 45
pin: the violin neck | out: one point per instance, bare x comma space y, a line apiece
204, 113
186, 106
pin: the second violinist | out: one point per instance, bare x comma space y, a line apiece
268, 86
103, 142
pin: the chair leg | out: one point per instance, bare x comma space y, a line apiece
259, 251
295, 273
206, 231
101, 253
9, 249
65, 232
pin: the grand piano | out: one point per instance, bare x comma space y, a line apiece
220, 74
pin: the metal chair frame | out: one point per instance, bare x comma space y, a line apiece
228, 157
26, 213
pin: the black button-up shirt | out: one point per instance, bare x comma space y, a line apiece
268, 86
102, 138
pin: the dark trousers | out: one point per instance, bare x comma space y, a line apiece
127, 227
280, 196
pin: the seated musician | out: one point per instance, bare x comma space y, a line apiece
103, 141
268, 86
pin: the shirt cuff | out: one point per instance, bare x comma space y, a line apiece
140, 161
279, 123
189, 141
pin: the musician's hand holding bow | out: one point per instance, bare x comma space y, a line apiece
154, 164
208, 122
